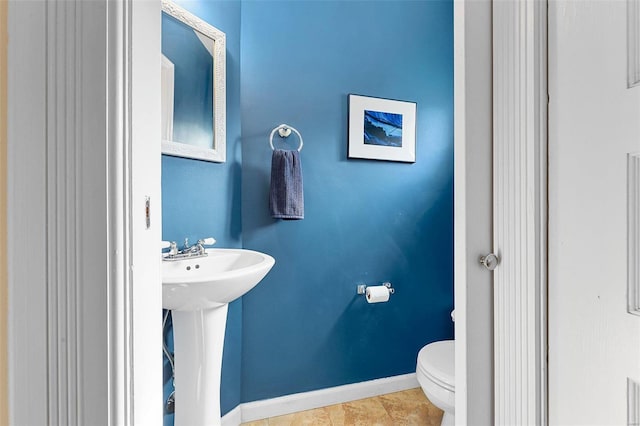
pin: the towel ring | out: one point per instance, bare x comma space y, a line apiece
284, 130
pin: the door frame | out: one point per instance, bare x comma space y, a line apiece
84, 318
482, 390
4, 385
473, 220
520, 146
130, 309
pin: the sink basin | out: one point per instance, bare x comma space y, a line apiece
212, 281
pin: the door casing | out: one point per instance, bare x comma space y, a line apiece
473, 221
488, 390
4, 398
84, 270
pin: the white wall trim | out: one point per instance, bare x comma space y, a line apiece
64, 249
633, 43
233, 417
520, 210
633, 403
26, 174
250, 411
134, 155
633, 224
84, 341
58, 212
473, 220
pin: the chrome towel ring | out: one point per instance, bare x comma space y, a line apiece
284, 130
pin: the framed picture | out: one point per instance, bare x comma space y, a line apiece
382, 129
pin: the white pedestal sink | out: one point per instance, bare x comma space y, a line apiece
198, 292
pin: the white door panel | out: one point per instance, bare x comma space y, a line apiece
594, 123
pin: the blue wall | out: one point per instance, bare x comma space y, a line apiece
304, 328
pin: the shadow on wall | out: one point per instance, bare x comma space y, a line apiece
235, 195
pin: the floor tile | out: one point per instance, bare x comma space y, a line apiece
406, 408
263, 422
317, 417
410, 408
364, 412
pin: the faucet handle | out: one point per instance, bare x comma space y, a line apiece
207, 241
171, 245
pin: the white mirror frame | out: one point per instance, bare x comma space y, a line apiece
219, 152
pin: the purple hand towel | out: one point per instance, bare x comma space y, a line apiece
286, 198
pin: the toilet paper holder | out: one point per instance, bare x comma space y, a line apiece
362, 288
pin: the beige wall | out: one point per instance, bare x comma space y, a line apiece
4, 418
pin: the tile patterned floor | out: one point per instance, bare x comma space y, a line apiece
406, 408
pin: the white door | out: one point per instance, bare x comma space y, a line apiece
594, 177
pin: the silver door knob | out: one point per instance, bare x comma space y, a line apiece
490, 261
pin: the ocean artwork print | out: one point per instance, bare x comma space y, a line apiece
382, 128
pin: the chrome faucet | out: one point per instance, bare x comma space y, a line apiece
195, 250
188, 251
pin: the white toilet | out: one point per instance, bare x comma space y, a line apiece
435, 370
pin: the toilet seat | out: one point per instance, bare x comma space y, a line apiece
436, 361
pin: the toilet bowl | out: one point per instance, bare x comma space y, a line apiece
436, 375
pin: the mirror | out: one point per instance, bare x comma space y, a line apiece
193, 86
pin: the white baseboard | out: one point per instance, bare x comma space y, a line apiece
288, 404
233, 417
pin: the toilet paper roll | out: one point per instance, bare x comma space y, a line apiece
377, 294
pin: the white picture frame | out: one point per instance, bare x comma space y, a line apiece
382, 129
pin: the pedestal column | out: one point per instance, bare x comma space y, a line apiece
198, 342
